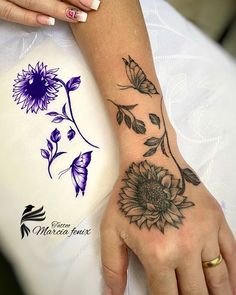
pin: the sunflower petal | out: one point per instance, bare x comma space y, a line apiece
135, 211
140, 221
135, 218
173, 209
173, 192
166, 181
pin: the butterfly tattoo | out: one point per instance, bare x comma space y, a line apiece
137, 78
79, 172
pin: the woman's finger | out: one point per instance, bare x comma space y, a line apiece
158, 266
190, 275
114, 256
56, 9
13, 13
217, 277
228, 251
86, 5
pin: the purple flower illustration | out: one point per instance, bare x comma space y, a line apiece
36, 87
52, 153
79, 172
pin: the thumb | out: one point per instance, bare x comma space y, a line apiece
114, 256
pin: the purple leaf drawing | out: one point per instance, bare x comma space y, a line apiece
79, 172
45, 154
58, 119
64, 110
71, 134
52, 114
49, 144
36, 87
73, 83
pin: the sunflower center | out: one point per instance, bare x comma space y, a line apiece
36, 86
153, 193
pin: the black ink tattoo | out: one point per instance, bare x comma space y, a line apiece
155, 120
155, 142
137, 78
124, 114
151, 197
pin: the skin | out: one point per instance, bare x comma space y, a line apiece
172, 261
35, 12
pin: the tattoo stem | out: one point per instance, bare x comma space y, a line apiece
72, 119
168, 144
121, 109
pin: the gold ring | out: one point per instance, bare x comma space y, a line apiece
214, 262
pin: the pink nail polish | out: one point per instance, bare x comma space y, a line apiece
76, 14
93, 4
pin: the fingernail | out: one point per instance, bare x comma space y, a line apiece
76, 14
94, 4
108, 291
46, 20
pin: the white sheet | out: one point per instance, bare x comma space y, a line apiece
198, 82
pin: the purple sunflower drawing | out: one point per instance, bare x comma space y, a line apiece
36, 87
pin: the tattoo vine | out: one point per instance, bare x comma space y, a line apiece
151, 195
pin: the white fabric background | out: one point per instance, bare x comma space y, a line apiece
198, 80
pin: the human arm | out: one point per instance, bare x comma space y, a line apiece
173, 258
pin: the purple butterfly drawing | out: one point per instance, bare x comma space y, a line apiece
79, 172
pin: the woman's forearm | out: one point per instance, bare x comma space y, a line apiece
110, 39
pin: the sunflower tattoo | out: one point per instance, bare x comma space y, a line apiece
150, 197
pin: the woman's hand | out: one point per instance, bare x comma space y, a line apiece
171, 230
37, 13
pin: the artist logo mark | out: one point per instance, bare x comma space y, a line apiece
30, 215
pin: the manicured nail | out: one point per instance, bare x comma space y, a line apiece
76, 14
46, 20
94, 4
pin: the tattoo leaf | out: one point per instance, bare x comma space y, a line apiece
155, 119
128, 107
163, 148
128, 121
119, 117
152, 141
138, 126
150, 152
190, 176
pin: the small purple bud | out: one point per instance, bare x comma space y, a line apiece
71, 134
73, 83
55, 135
